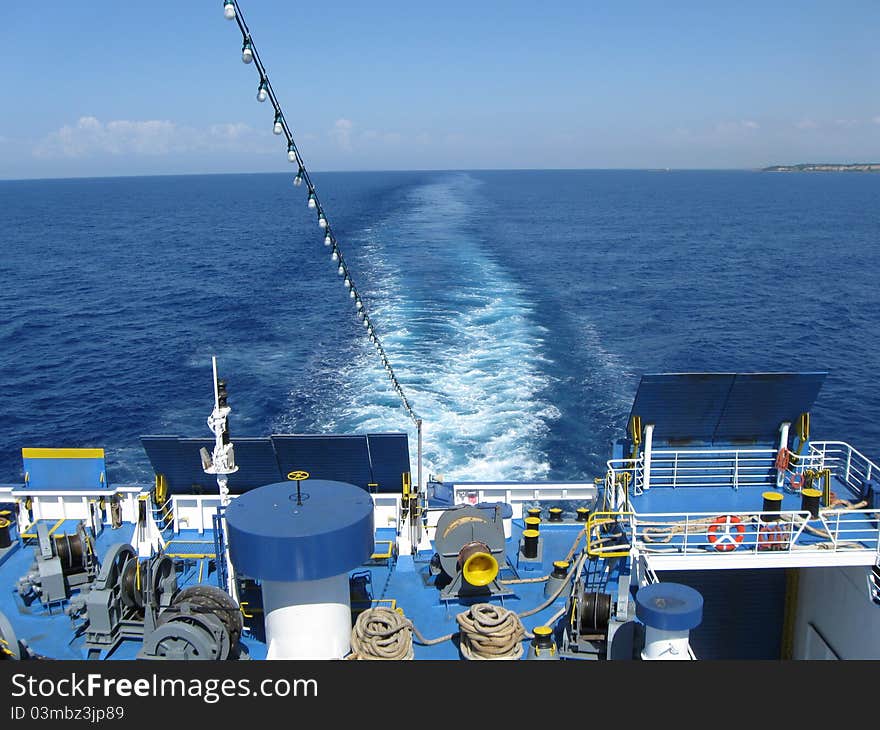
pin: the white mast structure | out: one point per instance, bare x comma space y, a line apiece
221, 463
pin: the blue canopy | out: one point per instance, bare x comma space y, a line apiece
363, 460
718, 408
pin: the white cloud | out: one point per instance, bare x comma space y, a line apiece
150, 138
727, 128
846, 123
341, 133
876, 120
806, 124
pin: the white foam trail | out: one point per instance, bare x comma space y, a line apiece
470, 362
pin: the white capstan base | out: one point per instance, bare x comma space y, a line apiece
667, 645
308, 619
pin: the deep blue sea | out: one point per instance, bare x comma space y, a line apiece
519, 308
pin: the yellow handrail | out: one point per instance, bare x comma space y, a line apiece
387, 553
594, 543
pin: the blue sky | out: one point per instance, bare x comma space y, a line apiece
127, 88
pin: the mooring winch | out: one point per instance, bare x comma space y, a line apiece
471, 552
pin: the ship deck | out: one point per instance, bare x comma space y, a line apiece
403, 582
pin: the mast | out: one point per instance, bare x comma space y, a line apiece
222, 463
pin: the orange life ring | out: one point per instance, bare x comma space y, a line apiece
782, 459
726, 533
797, 482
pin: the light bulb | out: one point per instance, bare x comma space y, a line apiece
262, 92
322, 221
366, 323
360, 316
228, 10
278, 128
247, 54
334, 256
347, 283
359, 304
351, 294
340, 270
327, 240
298, 180
312, 203
291, 154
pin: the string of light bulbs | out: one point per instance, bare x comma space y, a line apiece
249, 54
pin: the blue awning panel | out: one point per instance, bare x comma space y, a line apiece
178, 459
723, 407
389, 458
357, 459
334, 458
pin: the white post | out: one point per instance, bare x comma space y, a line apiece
783, 444
646, 452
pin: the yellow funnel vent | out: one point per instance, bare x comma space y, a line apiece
480, 569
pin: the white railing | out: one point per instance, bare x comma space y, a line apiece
518, 493
707, 467
196, 511
622, 477
751, 467
713, 467
846, 463
702, 533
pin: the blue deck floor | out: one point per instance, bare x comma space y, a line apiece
413, 588
406, 580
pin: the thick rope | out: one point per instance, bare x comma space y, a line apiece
381, 633
543, 578
490, 632
572, 575
665, 533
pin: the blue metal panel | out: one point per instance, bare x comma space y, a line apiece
179, 461
743, 612
389, 459
359, 460
759, 402
65, 474
717, 408
272, 537
181, 466
337, 458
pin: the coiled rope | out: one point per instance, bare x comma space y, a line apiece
490, 632
381, 633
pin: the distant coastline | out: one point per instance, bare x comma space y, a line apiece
826, 167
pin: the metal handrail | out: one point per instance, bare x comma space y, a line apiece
689, 533
848, 464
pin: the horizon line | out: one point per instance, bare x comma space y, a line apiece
401, 170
